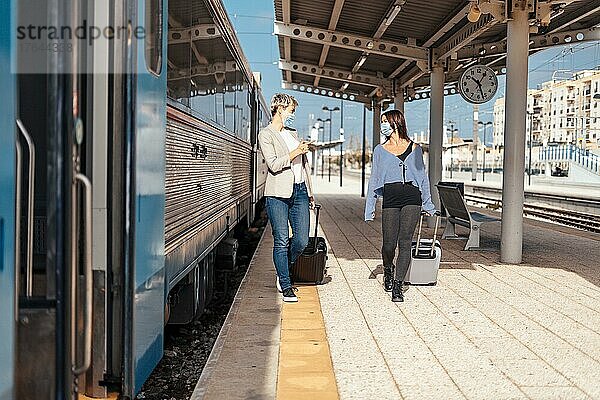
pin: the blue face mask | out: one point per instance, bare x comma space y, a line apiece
386, 129
290, 121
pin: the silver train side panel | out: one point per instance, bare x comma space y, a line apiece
208, 189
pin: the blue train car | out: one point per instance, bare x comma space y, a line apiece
127, 162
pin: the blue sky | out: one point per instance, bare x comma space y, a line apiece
253, 21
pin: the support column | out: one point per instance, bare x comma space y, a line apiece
376, 123
436, 129
475, 142
511, 244
399, 101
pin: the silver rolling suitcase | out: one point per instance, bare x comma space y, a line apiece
424, 258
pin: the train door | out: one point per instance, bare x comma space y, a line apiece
145, 306
55, 292
8, 182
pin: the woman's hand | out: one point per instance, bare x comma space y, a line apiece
311, 202
301, 149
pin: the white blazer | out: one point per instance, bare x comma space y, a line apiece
280, 179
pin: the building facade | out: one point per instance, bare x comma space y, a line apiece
560, 112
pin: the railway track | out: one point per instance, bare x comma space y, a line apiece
574, 219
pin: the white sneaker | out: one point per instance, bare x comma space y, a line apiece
278, 286
289, 296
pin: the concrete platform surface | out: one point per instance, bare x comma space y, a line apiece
485, 331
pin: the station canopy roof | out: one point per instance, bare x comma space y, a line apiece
376, 49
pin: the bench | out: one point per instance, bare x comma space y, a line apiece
458, 214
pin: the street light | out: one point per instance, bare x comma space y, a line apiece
531, 114
331, 110
452, 130
322, 129
484, 125
341, 139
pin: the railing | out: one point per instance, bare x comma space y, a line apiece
574, 154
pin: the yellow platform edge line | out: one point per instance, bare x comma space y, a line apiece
305, 368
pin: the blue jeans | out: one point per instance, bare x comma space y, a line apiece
296, 211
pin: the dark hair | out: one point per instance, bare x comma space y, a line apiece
398, 123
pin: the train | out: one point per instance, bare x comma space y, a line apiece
128, 158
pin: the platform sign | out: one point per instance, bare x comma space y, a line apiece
7, 201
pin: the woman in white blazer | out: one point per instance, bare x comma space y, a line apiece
288, 190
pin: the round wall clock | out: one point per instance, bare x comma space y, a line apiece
478, 84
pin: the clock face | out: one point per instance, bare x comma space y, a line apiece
478, 84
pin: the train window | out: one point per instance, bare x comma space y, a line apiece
243, 107
220, 106
230, 98
153, 35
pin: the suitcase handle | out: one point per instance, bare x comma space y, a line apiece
317, 209
437, 222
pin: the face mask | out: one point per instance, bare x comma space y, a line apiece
386, 129
290, 121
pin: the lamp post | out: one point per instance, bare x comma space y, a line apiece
331, 110
530, 113
341, 139
451, 123
364, 151
322, 129
484, 125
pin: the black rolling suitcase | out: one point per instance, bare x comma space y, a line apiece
311, 264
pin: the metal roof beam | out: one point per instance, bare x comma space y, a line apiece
387, 20
287, 42
410, 76
451, 23
334, 73
203, 70
458, 40
451, 78
537, 42
196, 32
329, 93
350, 41
445, 28
449, 90
464, 36
585, 11
333, 20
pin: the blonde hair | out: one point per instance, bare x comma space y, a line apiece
283, 100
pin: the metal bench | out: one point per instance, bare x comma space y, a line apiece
458, 214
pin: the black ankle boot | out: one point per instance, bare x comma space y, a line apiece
397, 294
388, 277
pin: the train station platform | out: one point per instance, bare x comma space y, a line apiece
485, 331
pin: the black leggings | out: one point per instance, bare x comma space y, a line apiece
398, 226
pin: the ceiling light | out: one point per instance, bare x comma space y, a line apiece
474, 13
393, 14
362, 60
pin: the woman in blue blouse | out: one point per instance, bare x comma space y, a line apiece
398, 175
